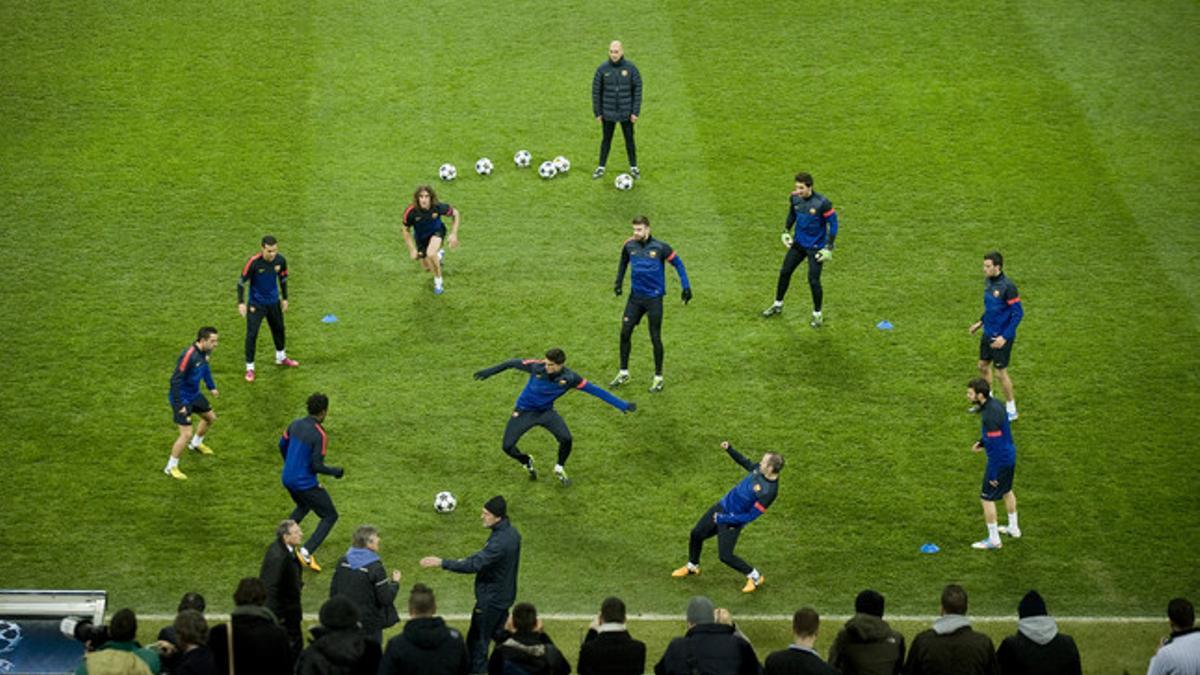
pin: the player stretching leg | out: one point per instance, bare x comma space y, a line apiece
548, 380
816, 226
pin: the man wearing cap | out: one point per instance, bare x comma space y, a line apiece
495, 568
867, 645
1037, 647
707, 646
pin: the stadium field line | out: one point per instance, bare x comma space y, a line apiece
312, 616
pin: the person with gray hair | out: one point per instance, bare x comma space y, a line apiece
361, 577
280, 573
707, 646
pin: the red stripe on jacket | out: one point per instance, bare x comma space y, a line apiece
324, 439
760, 507
827, 213
186, 357
995, 434
1014, 300
246, 269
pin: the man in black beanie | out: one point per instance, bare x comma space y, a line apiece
339, 645
495, 569
1038, 648
867, 645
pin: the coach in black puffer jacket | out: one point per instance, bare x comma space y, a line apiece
712, 647
617, 90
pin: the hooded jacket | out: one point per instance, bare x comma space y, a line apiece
951, 647
427, 646
340, 652
260, 644
867, 645
361, 577
1038, 649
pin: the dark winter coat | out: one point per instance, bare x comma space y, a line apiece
617, 90
715, 649
611, 652
495, 567
427, 646
361, 578
260, 644
1038, 649
797, 661
951, 647
867, 645
280, 573
198, 661
534, 653
339, 652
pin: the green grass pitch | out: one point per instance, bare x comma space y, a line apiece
146, 147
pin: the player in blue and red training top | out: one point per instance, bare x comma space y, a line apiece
424, 232
997, 439
186, 399
267, 274
816, 227
548, 380
1002, 314
739, 507
647, 285
303, 447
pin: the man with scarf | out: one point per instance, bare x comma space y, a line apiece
361, 577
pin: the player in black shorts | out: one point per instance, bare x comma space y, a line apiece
424, 232
1002, 313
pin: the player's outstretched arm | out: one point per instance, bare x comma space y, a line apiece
500, 367
738, 457
623, 406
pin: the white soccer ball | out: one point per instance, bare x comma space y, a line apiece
547, 169
447, 172
484, 166
624, 182
562, 164
522, 158
444, 502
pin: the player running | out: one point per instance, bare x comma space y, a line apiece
816, 226
186, 399
647, 285
423, 221
739, 507
303, 447
548, 380
267, 274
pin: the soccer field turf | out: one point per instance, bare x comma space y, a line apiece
147, 148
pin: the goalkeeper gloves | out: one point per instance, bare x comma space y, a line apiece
824, 255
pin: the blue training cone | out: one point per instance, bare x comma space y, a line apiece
884, 325
930, 548
329, 318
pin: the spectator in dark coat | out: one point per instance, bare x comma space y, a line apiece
260, 644
617, 97
608, 649
339, 646
280, 573
867, 645
495, 568
190, 600
800, 658
951, 647
524, 647
712, 646
194, 656
427, 646
360, 576
1037, 648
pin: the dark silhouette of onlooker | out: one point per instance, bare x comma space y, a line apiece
952, 647
339, 646
707, 646
523, 647
800, 658
190, 600
1037, 648
867, 645
426, 646
194, 657
608, 649
361, 577
260, 644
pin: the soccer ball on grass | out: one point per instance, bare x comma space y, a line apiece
484, 166
444, 502
522, 159
447, 172
562, 164
547, 170
623, 182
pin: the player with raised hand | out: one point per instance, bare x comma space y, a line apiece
266, 272
548, 380
748, 500
648, 258
186, 399
816, 226
424, 232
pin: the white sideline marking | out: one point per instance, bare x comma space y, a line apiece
1011, 618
